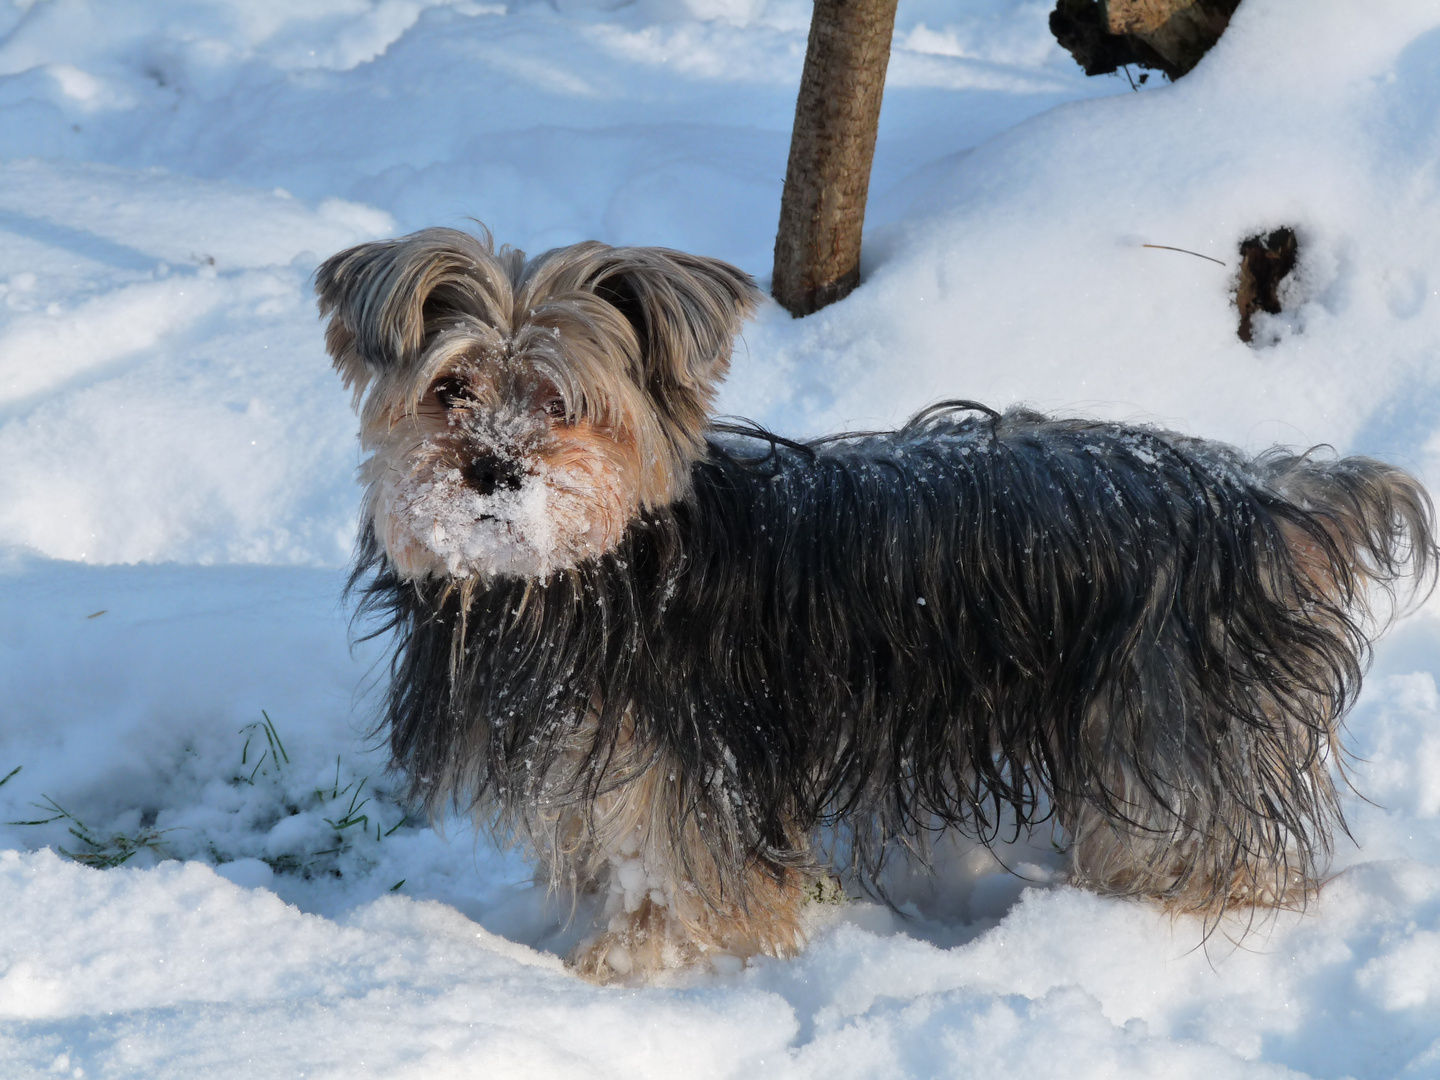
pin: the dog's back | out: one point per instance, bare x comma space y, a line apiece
984, 619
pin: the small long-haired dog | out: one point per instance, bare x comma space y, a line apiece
691, 662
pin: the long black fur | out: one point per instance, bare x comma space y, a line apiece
975, 620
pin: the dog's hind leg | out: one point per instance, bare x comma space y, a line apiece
1219, 751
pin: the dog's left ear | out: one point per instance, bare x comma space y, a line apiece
686, 311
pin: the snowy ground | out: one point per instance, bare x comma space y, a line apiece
177, 504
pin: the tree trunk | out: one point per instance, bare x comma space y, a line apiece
822, 210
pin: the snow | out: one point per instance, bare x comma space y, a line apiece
177, 506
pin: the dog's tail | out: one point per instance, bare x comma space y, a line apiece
1361, 534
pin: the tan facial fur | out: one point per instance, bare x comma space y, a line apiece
519, 414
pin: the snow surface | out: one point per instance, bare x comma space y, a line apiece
177, 505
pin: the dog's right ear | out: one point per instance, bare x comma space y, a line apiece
384, 298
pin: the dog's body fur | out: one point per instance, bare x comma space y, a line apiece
669, 654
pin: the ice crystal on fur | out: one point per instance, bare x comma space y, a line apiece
508, 532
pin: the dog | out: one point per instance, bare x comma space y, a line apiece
695, 665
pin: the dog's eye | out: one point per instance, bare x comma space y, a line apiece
452, 392
555, 408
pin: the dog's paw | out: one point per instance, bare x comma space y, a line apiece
605, 961
636, 946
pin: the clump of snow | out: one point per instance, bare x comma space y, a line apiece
504, 531
170, 175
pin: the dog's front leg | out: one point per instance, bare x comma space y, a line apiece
670, 901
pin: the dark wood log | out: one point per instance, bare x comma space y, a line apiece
1167, 35
837, 115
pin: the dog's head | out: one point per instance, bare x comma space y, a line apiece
518, 414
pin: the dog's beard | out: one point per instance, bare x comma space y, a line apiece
505, 532
533, 513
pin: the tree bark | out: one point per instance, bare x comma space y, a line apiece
837, 114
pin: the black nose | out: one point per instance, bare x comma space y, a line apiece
488, 472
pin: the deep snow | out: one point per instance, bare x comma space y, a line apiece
177, 505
